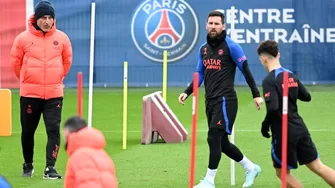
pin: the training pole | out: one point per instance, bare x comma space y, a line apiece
232, 162
284, 129
90, 91
232, 136
125, 101
194, 127
80, 93
164, 75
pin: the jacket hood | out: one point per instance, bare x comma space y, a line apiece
87, 137
33, 30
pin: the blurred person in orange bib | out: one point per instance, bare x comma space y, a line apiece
89, 165
41, 57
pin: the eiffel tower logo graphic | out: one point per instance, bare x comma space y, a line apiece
165, 29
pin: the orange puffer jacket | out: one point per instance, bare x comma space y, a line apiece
89, 166
41, 61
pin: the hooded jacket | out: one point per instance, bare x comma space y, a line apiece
41, 61
89, 165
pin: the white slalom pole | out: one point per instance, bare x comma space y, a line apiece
232, 136
232, 162
90, 95
29, 10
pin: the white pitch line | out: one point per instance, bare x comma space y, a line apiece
201, 130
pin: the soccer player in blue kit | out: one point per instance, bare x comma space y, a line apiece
300, 146
217, 62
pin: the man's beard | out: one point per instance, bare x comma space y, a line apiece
213, 34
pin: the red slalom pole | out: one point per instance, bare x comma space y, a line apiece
80, 94
194, 126
284, 130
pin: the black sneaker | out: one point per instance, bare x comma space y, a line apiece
51, 173
28, 169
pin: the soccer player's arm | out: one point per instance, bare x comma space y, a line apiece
271, 100
303, 95
200, 70
241, 61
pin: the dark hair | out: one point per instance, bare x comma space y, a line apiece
268, 47
216, 13
75, 124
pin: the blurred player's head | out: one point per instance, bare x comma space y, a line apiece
268, 53
44, 15
73, 124
215, 23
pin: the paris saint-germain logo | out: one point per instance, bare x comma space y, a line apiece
159, 25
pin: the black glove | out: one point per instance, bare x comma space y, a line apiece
265, 130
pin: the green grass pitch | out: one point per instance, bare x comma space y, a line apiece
167, 165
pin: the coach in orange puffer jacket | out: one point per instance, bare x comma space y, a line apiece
41, 57
41, 61
89, 166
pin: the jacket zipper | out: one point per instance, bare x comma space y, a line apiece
44, 62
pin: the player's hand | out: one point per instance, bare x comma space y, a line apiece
265, 130
258, 102
182, 97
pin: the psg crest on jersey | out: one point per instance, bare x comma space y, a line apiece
159, 25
